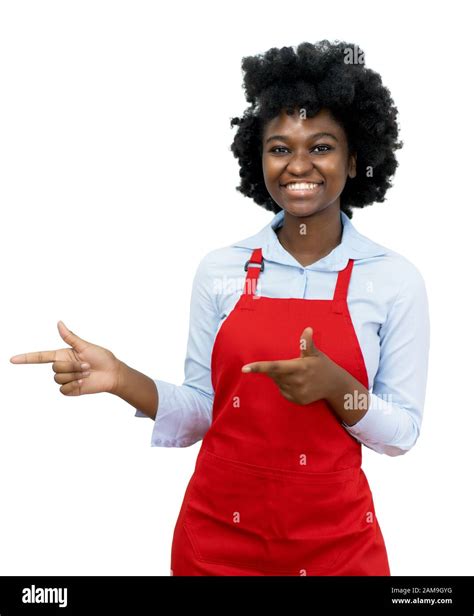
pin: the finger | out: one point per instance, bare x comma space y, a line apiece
65, 377
281, 366
78, 344
73, 388
307, 348
37, 357
70, 366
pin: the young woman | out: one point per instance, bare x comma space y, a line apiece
319, 346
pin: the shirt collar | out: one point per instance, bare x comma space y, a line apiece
353, 245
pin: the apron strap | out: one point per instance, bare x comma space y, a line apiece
256, 264
342, 286
253, 271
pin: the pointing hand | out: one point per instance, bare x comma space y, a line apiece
303, 379
82, 368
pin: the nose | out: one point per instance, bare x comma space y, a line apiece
300, 164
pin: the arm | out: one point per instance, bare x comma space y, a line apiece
137, 389
185, 411
392, 422
345, 388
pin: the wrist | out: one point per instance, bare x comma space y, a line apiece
336, 380
121, 378
348, 397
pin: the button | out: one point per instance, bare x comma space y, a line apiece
301, 271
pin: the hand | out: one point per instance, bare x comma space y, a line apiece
83, 369
305, 379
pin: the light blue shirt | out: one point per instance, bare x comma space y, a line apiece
389, 308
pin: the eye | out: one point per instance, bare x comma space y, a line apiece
322, 145
278, 147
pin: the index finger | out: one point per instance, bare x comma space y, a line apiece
37, 357
280, 366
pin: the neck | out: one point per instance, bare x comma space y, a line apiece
310, 238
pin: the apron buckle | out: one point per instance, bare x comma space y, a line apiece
261, 265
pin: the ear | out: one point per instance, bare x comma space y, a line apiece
352, 165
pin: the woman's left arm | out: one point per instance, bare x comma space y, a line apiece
392, 423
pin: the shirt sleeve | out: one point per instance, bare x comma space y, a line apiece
185, 411
393, 420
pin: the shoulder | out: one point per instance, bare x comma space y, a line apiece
230, 259
387, 268
222, 260
397, 282
387, 277
398, 269
219, 273
390, 268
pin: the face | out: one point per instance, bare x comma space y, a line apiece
306, 162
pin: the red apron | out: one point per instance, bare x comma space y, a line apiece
278, 487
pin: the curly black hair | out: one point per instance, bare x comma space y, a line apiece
312, 77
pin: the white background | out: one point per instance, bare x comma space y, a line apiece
116, 178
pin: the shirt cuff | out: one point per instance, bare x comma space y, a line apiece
165, 420
164, 389
379, 427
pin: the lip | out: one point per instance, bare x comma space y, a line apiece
304, 193
301, 182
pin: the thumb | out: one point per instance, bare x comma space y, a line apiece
307, 348
78, 344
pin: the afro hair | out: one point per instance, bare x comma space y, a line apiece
313, 77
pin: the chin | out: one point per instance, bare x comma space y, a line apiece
301, 210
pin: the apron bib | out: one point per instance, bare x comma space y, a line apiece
278, 487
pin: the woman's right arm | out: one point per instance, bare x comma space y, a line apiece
181, 413
185, 411
137, 389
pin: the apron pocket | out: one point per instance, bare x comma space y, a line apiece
225, 513
265, 519
313, 520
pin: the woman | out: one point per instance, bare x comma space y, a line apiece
319, 346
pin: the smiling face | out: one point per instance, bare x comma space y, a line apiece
306, 162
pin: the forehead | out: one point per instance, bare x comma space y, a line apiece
297, 124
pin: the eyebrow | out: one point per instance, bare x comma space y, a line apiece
313, 136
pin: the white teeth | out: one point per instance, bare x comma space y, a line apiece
301, 185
